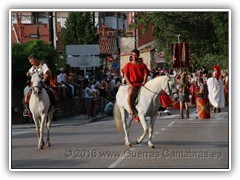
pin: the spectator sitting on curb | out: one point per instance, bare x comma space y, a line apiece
108, 109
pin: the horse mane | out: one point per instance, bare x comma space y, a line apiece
154, 82
35, 77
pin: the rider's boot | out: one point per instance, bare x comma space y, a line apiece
136, 119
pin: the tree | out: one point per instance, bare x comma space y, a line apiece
20, 63
206, 33
79, 29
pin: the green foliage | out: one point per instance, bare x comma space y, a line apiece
20, 63
79, 29
43, 51
206, 33
210, 59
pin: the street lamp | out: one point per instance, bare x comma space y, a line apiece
178, 36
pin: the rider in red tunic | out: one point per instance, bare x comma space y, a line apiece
136, 74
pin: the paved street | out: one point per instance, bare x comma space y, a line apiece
77, 144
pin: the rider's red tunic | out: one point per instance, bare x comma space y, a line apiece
135, 72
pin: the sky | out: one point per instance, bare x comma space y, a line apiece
5, 90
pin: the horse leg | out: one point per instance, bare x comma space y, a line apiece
48, 134
41, 131
129, 125
150, 144
125, 128
36, 126
48, 128
145, 129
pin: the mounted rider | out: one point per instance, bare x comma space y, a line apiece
136, 74
43, 71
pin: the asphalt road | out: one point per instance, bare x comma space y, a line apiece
77, 144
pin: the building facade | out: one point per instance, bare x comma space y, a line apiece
27, 26
117, 38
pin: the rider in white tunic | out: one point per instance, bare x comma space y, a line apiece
43, 71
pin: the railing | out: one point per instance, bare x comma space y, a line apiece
76, 106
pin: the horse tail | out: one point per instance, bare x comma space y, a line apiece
117, 117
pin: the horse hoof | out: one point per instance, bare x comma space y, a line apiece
40, 148
48, 144
137, 142
153, 147
128, 145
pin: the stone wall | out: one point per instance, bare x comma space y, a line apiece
127, 44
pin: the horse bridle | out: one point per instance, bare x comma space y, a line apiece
39, 87
170, 90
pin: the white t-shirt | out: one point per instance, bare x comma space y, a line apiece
41, 70
86, 94
60, 78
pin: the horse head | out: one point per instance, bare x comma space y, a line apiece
171, 88
36, 81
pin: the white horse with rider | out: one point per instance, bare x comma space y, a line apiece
41, 109
147, 106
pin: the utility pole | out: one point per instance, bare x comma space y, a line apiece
37, 22
135, 38
55, 37
93, 18
135, 31
50, 25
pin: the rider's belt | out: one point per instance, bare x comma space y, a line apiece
137, 84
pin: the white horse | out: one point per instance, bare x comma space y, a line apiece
39, 105
148, 105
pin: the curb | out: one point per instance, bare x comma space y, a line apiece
71, 121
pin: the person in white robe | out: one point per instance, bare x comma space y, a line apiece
215, 90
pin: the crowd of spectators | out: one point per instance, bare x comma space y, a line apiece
95, 91
98, 91
196, 82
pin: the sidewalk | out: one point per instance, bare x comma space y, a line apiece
76, 120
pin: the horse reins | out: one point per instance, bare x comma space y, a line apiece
170, 91
151, 90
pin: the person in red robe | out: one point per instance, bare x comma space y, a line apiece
136, 74
166, 102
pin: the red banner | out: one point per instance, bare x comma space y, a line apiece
180, 55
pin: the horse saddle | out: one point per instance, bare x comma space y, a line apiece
135, 98
51, 97
50, 94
